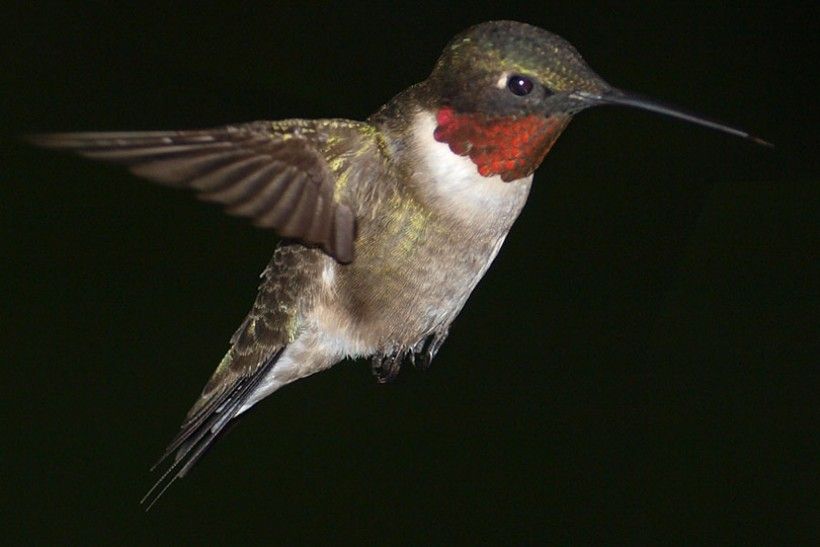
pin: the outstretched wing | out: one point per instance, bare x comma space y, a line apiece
273, 172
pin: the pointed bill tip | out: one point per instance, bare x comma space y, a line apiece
762, 142
622, 98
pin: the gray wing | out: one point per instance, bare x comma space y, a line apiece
272, 172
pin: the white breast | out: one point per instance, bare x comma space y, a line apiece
452, 182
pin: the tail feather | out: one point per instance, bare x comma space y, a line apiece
201, 430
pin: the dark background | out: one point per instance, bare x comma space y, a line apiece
637, 363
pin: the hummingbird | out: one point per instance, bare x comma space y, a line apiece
387, 224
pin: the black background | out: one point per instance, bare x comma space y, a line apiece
637, 363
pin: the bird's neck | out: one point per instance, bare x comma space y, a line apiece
451, 184
511, 147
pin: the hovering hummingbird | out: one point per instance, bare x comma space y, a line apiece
389, 224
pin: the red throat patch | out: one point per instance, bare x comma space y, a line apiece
506, 146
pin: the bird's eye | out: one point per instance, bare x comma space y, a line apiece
520, 85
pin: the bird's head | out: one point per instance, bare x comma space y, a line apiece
504, 91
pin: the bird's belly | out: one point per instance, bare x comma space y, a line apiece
412, 277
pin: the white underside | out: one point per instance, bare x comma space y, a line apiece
285, 367
459, 188
324, 342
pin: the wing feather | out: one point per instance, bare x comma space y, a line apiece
271, 173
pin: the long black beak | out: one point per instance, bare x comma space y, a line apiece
617, 97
